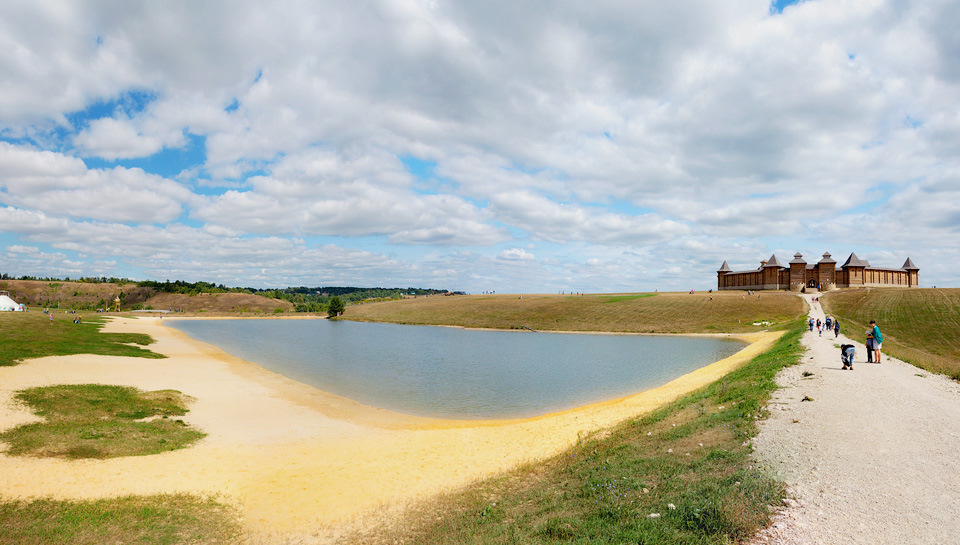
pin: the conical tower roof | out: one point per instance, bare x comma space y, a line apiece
773, 262
854, 261
724, 267
798, 258
826, 258
909, 266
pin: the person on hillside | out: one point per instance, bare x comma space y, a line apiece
811, 324
836, 328
877, 340
847, 352
869, 344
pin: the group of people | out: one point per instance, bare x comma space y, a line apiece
874, 344
827, 325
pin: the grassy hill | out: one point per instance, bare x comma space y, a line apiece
921, 326
91, 296
729, 311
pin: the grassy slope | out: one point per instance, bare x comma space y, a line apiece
692, 454
662, 313
32, 335
213, 303
36, 293
921, 326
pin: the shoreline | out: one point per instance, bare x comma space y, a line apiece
738, 336
292, 457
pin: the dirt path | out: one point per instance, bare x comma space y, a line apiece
873, 458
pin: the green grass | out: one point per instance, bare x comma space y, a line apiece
147, 520
920, 326
692, 454
32, 335
728, 311
97, 421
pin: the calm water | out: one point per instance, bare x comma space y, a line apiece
455, 373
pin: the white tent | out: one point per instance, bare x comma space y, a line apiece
8, 304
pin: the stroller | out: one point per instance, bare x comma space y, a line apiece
847, 352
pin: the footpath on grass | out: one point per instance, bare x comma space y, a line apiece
869, 455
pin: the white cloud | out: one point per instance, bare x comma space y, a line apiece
516, 254
325, 193
660, 137
56, 184
115, 139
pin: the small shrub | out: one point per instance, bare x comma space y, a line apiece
335, 307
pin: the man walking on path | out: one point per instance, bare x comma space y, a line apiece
877, 341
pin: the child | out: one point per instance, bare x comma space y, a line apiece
847, 352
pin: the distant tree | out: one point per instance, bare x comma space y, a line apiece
335, 307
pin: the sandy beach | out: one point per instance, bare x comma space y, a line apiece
295, 459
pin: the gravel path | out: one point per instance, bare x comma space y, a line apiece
874, 457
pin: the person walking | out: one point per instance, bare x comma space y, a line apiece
877, 340
869, 344
811, 324
836, 328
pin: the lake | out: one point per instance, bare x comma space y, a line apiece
457, 373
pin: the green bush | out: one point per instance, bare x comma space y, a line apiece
335, 307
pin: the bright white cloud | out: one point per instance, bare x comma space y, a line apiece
516, 254
56, 184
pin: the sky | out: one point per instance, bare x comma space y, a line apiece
516, 147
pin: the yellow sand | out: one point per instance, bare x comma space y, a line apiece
292, 457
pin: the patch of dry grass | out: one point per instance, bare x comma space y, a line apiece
100, 421
154, 520
728, 311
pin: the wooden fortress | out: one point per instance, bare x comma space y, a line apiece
823, 275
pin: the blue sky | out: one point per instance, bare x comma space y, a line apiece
533, 147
